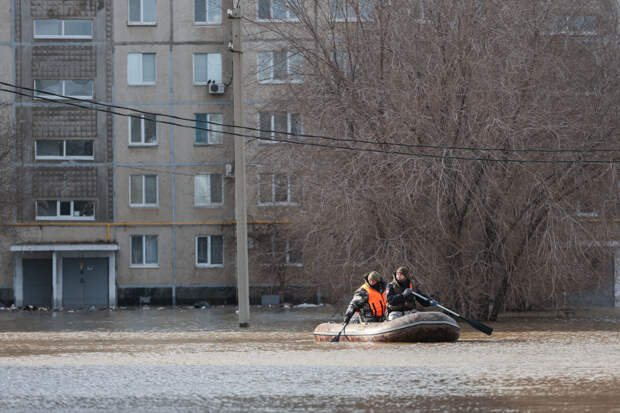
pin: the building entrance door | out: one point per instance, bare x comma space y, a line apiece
85, 282
37, 279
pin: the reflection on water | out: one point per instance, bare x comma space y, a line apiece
200, 360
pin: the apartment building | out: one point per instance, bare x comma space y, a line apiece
130, 207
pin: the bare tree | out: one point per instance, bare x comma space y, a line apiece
488, 124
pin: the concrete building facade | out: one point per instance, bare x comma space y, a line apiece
119, 209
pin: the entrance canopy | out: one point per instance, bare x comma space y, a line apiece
71, 275
64, 247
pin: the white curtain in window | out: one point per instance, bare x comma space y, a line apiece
134, 68
214, 67
200, 68
215, 134
201, 189
214, 11
151, 249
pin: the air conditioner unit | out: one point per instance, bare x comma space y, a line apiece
230, 172
216, 88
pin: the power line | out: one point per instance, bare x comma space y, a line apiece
303, 135
304, 143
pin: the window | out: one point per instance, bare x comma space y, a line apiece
574, 25
280, 66
275, 10
349, 10
279, 252
142, 11
278, 189
213, 122
63, 29
207, 67
143, 190
273, 123
65, 210
141, 69
142, 130
342, 60
63, 149
144, 251
208, 11
209, 251
62, 89
208, 190
420, 10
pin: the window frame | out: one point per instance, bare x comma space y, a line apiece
209, 264
348, 7
143, 204
62, 35
288, 18
273, 202
287, 254
290, 78
59, 217
273, 133
144, 264
209, 125
209, 204
206, 21
141, 22
64, 150
197, 83
142, 82
569, 27
143, 121
63, 90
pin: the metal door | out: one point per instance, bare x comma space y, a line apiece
85, 282
37, 278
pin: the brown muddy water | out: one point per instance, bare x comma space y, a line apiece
177, 360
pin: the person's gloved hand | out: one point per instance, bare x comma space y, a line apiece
407, 292
432, 302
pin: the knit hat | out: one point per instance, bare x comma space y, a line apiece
374, 275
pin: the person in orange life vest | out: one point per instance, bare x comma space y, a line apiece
368, 300
399, 295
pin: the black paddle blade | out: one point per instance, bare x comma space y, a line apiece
335, 339
479, 326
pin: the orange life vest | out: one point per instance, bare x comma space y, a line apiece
376, 300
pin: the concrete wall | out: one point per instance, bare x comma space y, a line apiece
174, 38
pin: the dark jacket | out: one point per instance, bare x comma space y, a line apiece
360, 304
396, 301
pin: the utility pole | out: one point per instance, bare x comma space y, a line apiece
241, 216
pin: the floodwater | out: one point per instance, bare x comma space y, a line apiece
199, 360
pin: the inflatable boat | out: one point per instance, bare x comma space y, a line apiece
427, 326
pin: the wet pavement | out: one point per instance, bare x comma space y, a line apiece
197, 360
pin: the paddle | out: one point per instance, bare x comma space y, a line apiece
337, 338
475, 324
